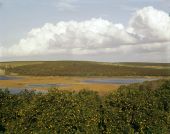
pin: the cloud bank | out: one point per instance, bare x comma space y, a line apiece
148, 33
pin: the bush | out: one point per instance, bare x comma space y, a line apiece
131, 110
55, 112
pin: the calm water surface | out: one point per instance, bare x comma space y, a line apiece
118, 80
9, 78
45, 85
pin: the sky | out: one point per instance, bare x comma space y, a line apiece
98, 30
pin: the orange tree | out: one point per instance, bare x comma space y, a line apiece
56, 112
139, 110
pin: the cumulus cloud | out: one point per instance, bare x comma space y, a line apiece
151, 24
148, 32
73, 37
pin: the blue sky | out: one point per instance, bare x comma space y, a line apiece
18, 17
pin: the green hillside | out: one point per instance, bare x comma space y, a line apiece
85, 68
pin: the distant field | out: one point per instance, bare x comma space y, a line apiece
18, 63
84, 68
146, 65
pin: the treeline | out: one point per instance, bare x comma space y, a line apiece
80, 68
138, 108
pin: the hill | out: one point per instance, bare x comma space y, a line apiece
85, 68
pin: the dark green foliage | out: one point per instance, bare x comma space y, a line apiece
137, 108
55, 112
84, 68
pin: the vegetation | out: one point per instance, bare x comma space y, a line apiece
137, 108
84, 68
142, 110
142, 64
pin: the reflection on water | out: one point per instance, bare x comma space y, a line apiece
118, 80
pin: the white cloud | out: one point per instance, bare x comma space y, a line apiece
148, 33
73, 37
152, 24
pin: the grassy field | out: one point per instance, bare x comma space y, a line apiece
18, 63
74, 72
84, 68
146, 65
2, 72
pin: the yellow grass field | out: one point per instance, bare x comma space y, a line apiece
2, 72
74, 83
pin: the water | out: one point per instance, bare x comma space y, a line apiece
118, 80
45, 85
9, 78
30, 87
